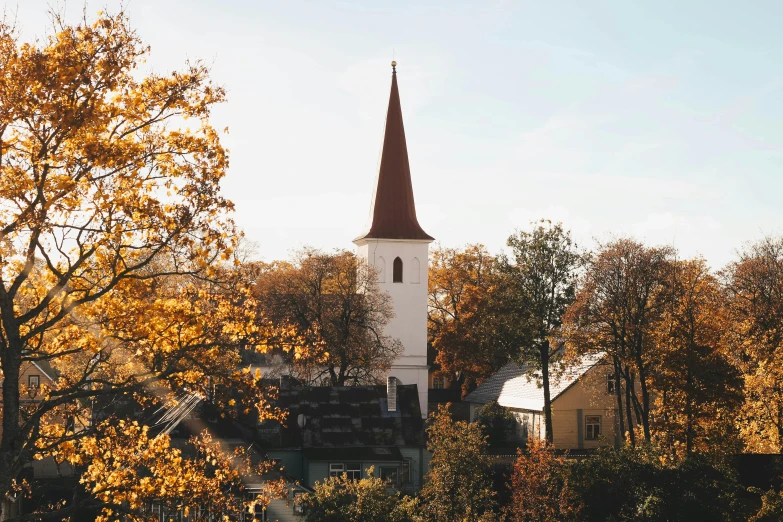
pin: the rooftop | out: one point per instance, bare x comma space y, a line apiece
515, 386
346, 416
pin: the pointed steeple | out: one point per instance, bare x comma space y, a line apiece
394, 212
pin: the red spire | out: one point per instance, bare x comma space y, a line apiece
393, 212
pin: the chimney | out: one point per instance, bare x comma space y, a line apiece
391, 393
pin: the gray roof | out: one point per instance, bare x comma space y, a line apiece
515, 386
345, 416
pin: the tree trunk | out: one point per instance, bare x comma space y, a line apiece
11, 364
689, 413
544, 354
645, 406
631, 433
618, 392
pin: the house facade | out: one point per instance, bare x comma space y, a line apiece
584, 404
348, 429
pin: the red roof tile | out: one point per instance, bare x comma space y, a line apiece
394, 212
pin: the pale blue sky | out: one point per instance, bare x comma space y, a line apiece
660, 120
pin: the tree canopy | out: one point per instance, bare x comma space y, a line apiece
116, 252
333, 302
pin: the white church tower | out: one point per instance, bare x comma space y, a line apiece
398, 248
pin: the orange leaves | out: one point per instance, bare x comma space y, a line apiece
332, 315
114, 246
466, 327
127, 466
539, 486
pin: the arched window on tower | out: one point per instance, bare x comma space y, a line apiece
415, 270
380, 266
397, 270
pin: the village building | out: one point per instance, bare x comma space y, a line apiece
398, 248
332, 430
34, 378
584, 403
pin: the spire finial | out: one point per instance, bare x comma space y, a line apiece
394, 66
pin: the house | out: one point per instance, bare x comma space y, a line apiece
584, 404
347, 429
34, 376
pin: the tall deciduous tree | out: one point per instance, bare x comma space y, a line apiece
755, 290
539, 283
113, 239
616, 311
334, 302
698, 391
465, 325
458, 487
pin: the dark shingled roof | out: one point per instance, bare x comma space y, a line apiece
346, 416
394, 212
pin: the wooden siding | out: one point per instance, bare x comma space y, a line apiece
588, 396
27, 370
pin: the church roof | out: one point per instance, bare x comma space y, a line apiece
393, 209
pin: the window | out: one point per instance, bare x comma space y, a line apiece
354, 470
438, 383
336, 469
415, 270
390, 475
380, 265
592, 427
33, 381
397, 270
407, 471
523, 423
610, 383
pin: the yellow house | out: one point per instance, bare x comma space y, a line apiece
584, 404
32, 377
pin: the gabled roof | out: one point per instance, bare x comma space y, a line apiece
345, 416
393, 209
46, 369
513, 386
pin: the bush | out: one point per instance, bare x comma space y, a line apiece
630, 484
497, 423
340, 499
634, 484
539, 485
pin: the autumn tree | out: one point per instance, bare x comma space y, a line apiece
115, 245
539, 487
539, 283
342, 499
458, 486
698, 391
464, 324
754, 285
616, 311
333, 301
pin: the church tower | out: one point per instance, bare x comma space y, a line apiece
398, 248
